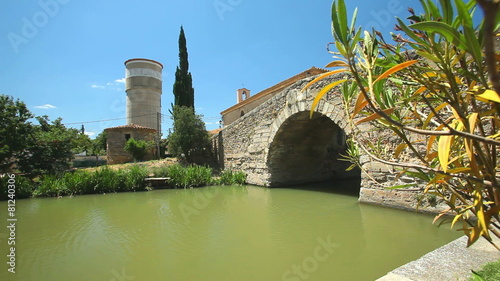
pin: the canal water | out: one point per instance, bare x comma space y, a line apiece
315, 232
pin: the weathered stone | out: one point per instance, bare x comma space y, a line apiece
117, 138
277, 143
291, 149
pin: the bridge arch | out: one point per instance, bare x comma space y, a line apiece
306, 149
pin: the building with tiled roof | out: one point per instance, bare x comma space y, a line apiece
117, 137
246, 102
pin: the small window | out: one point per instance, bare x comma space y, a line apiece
127, 137
242, 113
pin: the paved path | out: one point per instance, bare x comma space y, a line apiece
451, 262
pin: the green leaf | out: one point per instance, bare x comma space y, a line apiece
463, 13
353, 20
429, 56
342, 17
451, 34
476, 276
447, 11
337, 30
401, 186
433, 10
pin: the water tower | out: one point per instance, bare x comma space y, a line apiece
143, 85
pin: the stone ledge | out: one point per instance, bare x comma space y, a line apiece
451, 262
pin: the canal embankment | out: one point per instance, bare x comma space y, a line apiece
451, 262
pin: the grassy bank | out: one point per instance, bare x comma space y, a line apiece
107, 180
489, 272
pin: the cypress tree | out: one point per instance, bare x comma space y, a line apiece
183, 85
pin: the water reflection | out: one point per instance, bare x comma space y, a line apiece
218, 233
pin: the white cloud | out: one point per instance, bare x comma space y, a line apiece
45, 106
115, 85
90, 134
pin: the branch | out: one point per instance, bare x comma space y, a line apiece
417, 167
450, 132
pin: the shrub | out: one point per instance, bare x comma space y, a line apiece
24, 187
187, 177
176, 175
79, 182
137, 148
101, 181
134, 179
199, 176
229, 177
108, 180
50, 186
161, 172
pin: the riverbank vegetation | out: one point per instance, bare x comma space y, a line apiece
489, 272
107, 180
433, 91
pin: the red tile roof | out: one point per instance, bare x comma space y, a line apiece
130, 126
214, 132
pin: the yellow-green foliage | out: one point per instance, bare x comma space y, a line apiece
435, 93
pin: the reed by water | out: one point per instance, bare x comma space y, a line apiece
107, 180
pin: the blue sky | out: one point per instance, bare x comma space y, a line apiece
64, 58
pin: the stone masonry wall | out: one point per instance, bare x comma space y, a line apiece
245, 145
116, 142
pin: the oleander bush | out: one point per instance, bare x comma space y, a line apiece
432, 94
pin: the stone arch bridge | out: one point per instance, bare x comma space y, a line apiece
277, 143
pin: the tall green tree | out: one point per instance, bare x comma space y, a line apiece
189, 138
98, 146
14, 129
183, 85
51, 146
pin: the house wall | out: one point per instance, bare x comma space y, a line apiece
116, 139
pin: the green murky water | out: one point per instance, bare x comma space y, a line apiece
214, 233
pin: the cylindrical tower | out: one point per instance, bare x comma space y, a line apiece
143, 85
